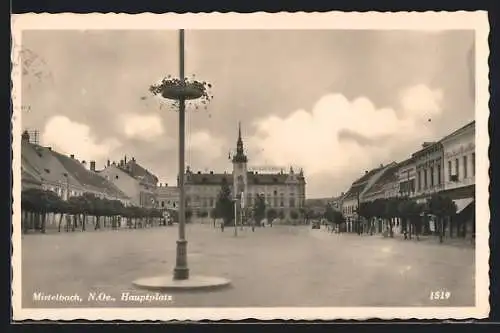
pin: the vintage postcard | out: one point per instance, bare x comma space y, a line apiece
231, 166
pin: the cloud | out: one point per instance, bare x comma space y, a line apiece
205, 143
142, 127
342, 138
420, 101
70, 137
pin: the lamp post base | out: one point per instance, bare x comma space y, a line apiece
181, 270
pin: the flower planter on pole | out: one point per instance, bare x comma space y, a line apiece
181, 90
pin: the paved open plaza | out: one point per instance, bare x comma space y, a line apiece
278, 266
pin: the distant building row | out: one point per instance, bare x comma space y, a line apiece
44, 168
447, 166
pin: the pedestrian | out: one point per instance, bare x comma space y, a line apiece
222, 226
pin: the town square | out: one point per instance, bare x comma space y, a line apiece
228, 168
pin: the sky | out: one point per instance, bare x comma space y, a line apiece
334, 102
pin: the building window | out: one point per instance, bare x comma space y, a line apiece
211, 202
439, 174
425, 179
162, 204
275, 202
457, 168
473, 164
292, 202
419, 181
465, 166
449, 171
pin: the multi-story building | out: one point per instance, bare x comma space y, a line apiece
429, 170
283, 191
61, 174
407, 178
354, 196
168, 197
460, 171
132, 179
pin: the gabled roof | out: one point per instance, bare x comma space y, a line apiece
88, 178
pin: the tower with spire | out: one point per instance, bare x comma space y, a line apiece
239, 166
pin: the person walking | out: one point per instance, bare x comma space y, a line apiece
222, 226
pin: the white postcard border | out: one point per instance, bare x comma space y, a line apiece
432, 22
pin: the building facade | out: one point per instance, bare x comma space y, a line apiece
132, 179
355, 195
460, 172
168, 197
283, 191
407, 175
429, 170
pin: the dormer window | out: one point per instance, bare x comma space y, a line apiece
47, 170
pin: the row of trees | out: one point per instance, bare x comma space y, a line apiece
37, 205
411, 214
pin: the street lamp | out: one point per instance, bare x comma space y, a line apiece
181, 90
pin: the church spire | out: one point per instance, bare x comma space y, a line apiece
240, 154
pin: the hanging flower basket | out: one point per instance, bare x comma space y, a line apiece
187, 89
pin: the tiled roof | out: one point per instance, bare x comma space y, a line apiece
138, 172
253, 178
86, 177
27, 177
390, 175
367, 175
354, 191
40, 160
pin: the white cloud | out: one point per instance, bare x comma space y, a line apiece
420, 101
321, 141
205, 143
69, 137
142, 127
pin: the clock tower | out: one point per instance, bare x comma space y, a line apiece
239, 167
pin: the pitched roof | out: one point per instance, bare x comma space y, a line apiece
39, 160
137, 171
27, 177
390, 175
86, 177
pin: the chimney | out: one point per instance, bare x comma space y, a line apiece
26, 136
133, 159
84, 164
125, 159
108, 163
92, 165
72, 156
366, 172
49, 148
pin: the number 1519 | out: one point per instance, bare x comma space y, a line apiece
439, 295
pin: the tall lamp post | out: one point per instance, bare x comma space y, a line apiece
181, 270
181, 90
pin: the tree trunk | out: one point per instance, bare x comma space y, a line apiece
60, 221
441, 229
97, 222
84, 222
44, 220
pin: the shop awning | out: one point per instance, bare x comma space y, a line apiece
462, 204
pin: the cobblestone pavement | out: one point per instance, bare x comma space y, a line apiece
278, 266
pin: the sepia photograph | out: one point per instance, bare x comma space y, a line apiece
232, 166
